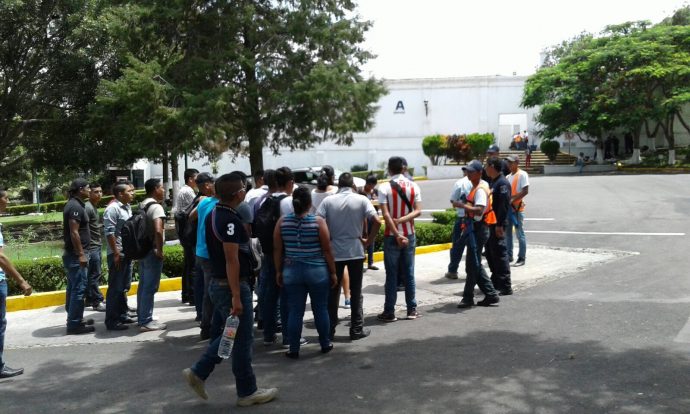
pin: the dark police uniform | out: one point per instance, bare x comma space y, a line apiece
496, 248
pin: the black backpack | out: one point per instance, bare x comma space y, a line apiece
265, 221
136, 242
186, 231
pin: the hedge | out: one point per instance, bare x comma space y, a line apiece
47, 274
60, 205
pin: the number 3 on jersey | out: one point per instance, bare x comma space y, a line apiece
231, 229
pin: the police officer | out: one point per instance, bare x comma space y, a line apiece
496, 248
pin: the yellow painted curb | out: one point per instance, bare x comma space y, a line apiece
45, 299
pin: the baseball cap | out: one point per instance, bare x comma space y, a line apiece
78, 184
204, 177
473, 166
512, 158
492, 148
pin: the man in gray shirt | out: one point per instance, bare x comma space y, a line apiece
119, 266
93, 296
345, 213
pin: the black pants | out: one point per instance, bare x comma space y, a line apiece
497, 256
354, 269
476, 275
188, 274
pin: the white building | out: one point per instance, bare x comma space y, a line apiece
413, 109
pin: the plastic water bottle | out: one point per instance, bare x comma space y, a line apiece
228, 338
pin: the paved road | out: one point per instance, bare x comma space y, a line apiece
604, 335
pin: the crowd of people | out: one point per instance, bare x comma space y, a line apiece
283, 243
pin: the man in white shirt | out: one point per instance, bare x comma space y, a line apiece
185, 198
519, 183
461, 189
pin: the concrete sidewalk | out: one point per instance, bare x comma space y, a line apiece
46, 327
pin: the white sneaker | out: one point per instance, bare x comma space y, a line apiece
260, 396
302, 341
195, 383
153, 326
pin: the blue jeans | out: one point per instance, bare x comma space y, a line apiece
271, 295
476, 275
3, 320
458, 246
93, 295
204, 270
241, 356
150, 269
399, 262
116, 303
300, 279
522, 242
76, 285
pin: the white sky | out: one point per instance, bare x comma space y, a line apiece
451, 38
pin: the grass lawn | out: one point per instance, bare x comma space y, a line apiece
40, 249
26, 219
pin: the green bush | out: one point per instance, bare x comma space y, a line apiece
551, 148
359, 167
139, 196
479, 143
426, 234
444, 217
434, 147
457, 148
48, 274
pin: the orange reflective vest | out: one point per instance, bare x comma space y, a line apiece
518, 205
489, 215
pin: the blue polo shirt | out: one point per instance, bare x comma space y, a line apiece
203, 209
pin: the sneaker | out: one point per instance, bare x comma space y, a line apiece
360, 334
195, 383
271, 341
85, 322
7, 372
347, 304
99, 307
451, 275
505, 292
152, 326
387, 317
465, 305
117, 327
80, 329
372, 267
488, 301
413, 314
260, 396
302, 341
520, 262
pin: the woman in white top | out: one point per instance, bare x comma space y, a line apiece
324, 187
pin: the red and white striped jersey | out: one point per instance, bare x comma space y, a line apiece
396, 206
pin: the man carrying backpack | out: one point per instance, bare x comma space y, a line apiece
265, 219
151, 266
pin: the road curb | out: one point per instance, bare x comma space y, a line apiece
45, 299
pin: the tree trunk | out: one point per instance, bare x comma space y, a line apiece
166, 171
635, 159
174, 165
256, 153
671, 139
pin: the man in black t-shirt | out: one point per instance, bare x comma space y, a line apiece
227, 241
75, 224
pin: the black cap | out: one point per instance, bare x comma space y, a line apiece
78, 184
473, 166
492, 148
204, 177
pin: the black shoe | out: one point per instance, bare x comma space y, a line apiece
465, 305
520, 262
372, 267
505, 292
488, 301
8, 372
81, 329
117, 327
127, 320
85, 322
292, 355
205, 333
361, 334
327, 349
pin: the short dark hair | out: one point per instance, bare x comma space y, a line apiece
270, 178
283, 176
495, 163
120, 187
329, 172
94, 185
227, 186
301, 200
395, 164
151, 184
345, 180
372, 180
258, 174
190, 173
322, 182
